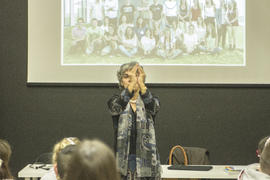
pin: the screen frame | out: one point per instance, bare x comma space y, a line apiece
106, 74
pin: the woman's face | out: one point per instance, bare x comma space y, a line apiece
126, 80
129, 31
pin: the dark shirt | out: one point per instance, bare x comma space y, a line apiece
156, 11
128, 10
118, 103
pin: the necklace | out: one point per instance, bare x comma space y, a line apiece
132, 101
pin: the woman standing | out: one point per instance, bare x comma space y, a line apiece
133, 112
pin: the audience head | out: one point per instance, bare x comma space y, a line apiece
62, 160
5, 153
61, 145
93, 160
265, 158
261, 145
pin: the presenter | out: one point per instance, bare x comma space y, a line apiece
133, 112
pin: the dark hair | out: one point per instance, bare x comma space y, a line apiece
92, 160
5, 153
137, 21
126, 33
62, 159
120, 19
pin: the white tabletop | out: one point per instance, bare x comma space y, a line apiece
217, 172
33, 172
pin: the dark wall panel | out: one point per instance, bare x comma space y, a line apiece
227, 121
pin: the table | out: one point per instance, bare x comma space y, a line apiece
217, 172
33, 171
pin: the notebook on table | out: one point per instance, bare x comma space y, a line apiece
191, 168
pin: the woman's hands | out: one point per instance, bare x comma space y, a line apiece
141, 79
136, 79
132, 79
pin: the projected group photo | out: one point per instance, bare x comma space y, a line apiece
155, 32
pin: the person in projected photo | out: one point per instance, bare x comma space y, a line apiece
148, 43
177, 32
156, 10
232, 16
111, 11
122, 27
110, 41
78, 34
210, 21
133, 112
195, 11
94, 38
166, 46
191, 40
201, 32
129, 44
128, 10
105, 26
222, 31
144, 12
170, 11
140, 27
184, 14
97, 11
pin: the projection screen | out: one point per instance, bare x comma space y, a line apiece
71, 41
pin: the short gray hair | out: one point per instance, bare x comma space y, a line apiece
123, 68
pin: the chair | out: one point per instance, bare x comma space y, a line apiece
188, 156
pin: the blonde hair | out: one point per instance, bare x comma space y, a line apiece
92, 160
62, 144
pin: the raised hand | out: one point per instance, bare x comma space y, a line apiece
141, 79
133, 78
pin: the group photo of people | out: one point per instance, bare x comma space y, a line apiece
154, 31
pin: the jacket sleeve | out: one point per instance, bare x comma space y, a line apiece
151, 103
119, 102
116, 104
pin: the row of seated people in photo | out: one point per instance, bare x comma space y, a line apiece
141, 39
218, 15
